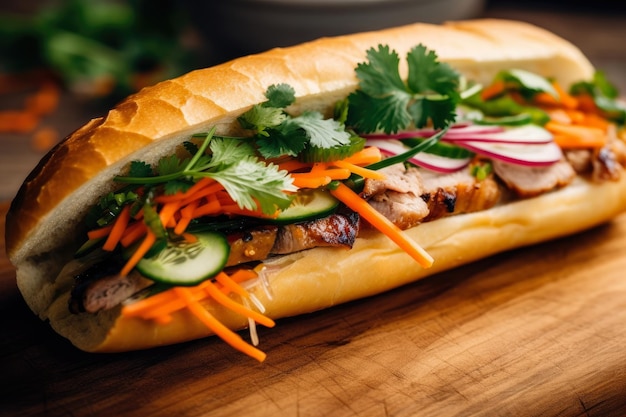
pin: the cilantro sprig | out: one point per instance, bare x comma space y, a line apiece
277, 133
232, 162
384, 101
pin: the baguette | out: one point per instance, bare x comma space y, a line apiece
43, 227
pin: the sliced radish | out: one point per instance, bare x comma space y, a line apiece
527, 134
436, 163
541, 154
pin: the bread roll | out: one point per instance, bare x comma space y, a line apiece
43, 225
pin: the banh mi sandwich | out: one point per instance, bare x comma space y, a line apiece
296, 179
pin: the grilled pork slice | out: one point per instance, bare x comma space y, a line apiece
397, 197
528, 181
334, 230
251, 245
458, 192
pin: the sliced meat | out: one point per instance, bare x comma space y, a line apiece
605, 166
458, 192
405, 210
101, 287
397, 178
397, 197
531, 181
252, 245
335, 230
580, 160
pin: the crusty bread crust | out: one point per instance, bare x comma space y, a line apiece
41, 223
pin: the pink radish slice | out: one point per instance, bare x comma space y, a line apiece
523, 154
433, 162
528, 134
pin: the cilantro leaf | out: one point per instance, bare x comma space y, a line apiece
140, 169
260, 118
250, 179
170, 164
175, 186
323, 133
226, 151
385, 102
289, 140
280, 96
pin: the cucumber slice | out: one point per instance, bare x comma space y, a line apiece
309, 204
185, 264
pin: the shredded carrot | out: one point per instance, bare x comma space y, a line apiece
190, 238
567, 100
217, 327
117, 231
576, 136
100, 233
133, 233
143, 248
307, 181
364, 172
231, 285
221, 298
365, 156
351, 199
211, 207
495, 89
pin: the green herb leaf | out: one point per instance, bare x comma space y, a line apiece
226, 151
260, 118
170, 164
604, 95
289, 140
249, 180
280, 96
528, 83
323, 133
140, 169
385, 102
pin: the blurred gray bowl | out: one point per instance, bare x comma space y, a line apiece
240, 27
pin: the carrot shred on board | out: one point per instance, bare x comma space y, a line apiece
351, 199
117, 231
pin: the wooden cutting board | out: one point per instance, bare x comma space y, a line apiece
534, 332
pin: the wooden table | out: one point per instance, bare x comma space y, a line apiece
539, 331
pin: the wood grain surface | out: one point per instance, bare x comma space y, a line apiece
533, 332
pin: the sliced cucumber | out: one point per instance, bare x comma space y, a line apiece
309, 204
185, 264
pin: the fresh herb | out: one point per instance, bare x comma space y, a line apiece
481, 170
527, 83
605, 96
232, 162
385, 102
277, 133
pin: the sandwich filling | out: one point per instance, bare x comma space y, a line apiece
395, 153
